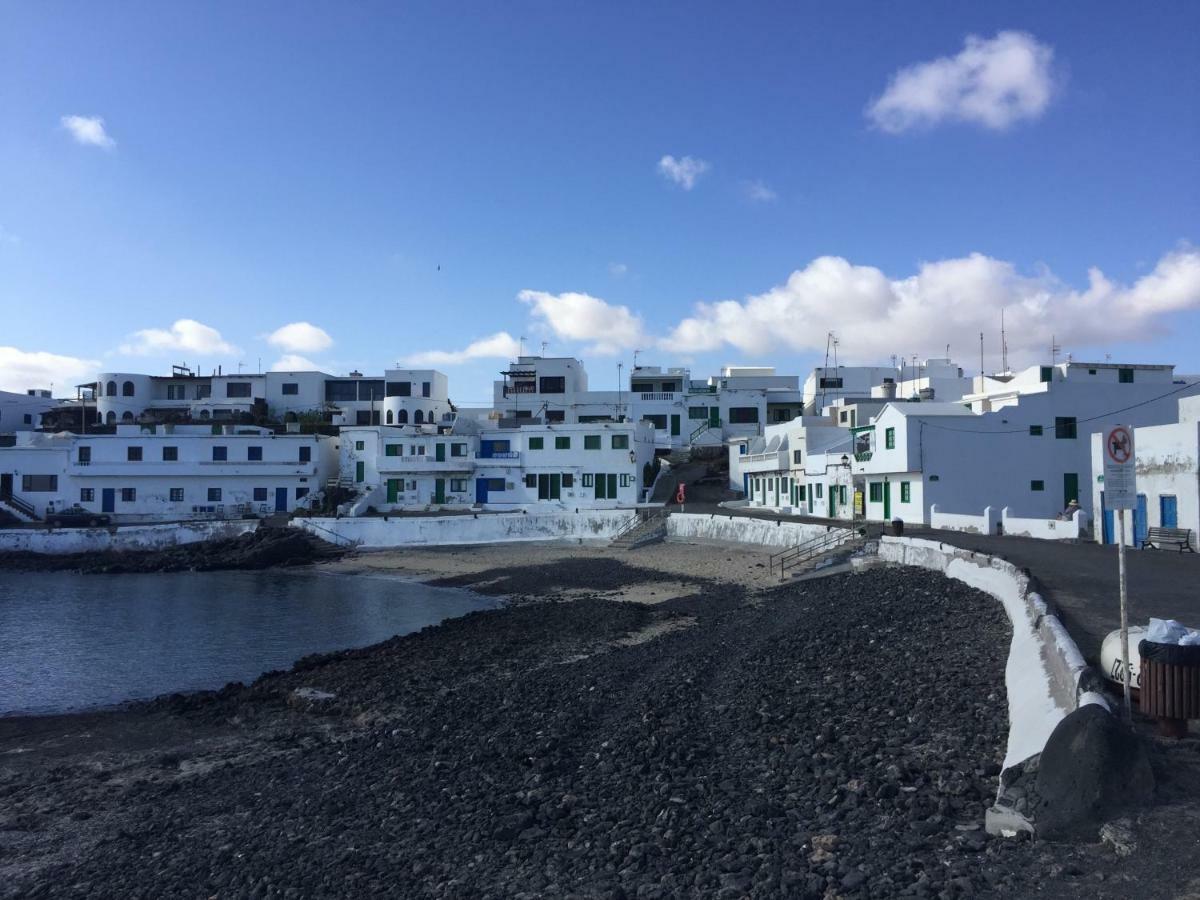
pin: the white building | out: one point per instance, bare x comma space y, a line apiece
739, 402
165, 472
23, 412
581, 464
1168, 479
407, 395
1018, 443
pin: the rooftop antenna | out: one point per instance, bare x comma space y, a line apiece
521, 346
1055, 349
1003, 343
830, 345
543, 348
981, 370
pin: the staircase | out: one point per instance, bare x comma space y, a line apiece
810, 551
18, 509
647, 526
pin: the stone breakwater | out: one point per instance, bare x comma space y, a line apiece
837, 738
260, 549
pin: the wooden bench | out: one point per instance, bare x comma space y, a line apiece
1179, 537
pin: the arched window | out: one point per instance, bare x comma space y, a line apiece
204, 413
112, 389
418, 418
127, 416
390, 417
429, 417
402, 417
110, 418
127, 389
291, 417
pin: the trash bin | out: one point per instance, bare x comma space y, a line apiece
1170, 685
897, 527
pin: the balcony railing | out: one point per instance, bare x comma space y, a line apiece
501, 454
658, 395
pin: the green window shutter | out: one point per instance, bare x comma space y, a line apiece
536, 443
889, 439
591, 442
905, 492
620, 442
562, 443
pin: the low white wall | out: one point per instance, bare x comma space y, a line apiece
1047, 529
984, 524
776, 534
398, 531
124, 537
1044, 664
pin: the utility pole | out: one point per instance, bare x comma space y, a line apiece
619, 365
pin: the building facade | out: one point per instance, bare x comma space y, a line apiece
165, 472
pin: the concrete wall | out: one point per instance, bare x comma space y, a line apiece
1045, 668
377, 533
984, 524
740, 530
132, 537
1047, 529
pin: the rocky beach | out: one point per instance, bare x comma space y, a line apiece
618, 731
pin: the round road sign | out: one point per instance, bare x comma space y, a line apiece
1119, 445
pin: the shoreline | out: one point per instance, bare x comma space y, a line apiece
730, 737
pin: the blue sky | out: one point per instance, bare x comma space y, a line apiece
895, 173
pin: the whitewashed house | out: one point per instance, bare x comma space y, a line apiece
23, 412
1021, 444
401, 395
1168, 479
165, 472
468, 465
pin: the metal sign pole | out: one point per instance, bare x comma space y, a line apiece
1126, 677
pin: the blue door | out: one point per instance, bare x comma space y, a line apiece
1139, 521
280, 499
1168, 511
108, 500
1109, 522
481, 490
746, 486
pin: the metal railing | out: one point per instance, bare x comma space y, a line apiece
809, 550
704, 426
20, 505
638, 519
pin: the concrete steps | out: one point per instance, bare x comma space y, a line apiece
650, 530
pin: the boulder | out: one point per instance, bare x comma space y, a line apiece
1093, 765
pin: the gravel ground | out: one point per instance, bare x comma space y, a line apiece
840, 737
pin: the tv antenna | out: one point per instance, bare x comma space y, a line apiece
1003, 343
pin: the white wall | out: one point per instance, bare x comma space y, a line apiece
132, 537
486, 528
740, 530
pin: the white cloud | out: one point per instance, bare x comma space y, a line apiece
582, 317
500, 345
946, 302
618, 269
683, 171
292, 362
21, 370
759, 192
88, 130
992, 83
300, 337
185, 335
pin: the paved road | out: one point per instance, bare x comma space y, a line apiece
1078, 578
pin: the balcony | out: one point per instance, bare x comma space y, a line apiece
658, 395
500, 454
424, 463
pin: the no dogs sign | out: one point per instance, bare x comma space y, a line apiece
1120, 477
